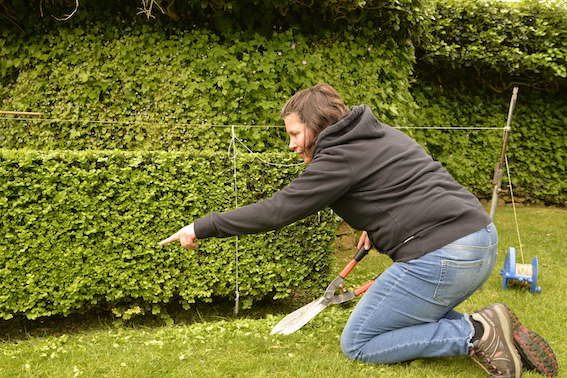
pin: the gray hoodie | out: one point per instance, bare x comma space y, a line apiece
377, 179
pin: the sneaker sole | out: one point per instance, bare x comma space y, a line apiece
535, 352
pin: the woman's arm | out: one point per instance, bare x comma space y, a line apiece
324, 180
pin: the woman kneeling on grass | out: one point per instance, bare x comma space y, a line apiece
441, 240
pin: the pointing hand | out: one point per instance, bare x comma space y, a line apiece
186, 237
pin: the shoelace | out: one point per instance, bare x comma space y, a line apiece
485, 360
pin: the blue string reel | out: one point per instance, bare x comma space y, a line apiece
523, 275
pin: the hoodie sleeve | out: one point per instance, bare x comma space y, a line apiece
323, 181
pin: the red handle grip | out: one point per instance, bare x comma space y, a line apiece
348, 268
359, 256
363, 288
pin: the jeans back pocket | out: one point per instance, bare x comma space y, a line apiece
459, 279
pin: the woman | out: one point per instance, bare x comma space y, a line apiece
440, 238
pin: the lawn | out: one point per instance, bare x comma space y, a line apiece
209, 342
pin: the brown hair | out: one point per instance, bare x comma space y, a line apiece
317, 107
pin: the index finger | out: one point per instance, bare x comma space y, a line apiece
170, 239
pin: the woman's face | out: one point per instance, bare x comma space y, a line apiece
300, 137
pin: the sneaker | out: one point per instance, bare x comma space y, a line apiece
495, 351
535, 352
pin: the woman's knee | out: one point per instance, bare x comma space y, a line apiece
348, 346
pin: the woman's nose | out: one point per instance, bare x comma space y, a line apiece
292, 145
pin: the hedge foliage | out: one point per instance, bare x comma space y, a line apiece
501, 44
472, 55
82, 228
394, 18
175, 77
537, 150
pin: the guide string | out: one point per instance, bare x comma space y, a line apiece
208, 125
232, 146
514, 207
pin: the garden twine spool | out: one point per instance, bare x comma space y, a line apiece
524, 270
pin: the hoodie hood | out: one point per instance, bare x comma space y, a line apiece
358, 124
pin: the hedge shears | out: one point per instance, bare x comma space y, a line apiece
297, 319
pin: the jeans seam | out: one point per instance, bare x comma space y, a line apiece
441, 278
464, 264
464, 246
397, 347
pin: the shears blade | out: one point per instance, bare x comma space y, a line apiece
302, 316
297, 319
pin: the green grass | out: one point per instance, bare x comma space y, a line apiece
209, 342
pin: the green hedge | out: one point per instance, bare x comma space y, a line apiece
537, 150
499, 43
396, 18
80, 229
473, 53
173, 78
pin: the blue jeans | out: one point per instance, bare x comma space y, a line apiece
408, 312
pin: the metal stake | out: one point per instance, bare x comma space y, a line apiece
498, 170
